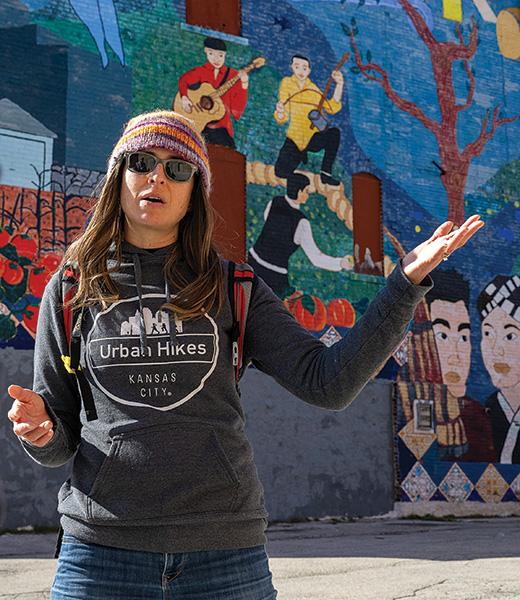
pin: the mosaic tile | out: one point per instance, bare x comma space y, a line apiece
330, 337
456, 486
515, 487
401, 352
417, 442
491, 486
418, 484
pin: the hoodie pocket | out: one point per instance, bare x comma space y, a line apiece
163, 473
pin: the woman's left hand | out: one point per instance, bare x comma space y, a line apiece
425, 257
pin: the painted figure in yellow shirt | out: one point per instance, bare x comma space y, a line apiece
297, 97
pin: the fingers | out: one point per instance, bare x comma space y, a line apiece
458, 238
25, 396
38, 436
29, 416
443, 229
21, 394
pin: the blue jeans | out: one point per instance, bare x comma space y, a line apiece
92, 572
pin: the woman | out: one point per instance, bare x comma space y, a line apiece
499, 309
164, 494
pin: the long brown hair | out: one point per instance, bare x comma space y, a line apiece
104, 237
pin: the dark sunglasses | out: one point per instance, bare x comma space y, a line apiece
175, 169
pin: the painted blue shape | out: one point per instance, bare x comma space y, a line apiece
508, 472
475, 497
35, 4
406, 458
505, 234
437, 469
404, 496
390, 370
416, 215
21, 341
438, 496
283, 22
473, 471
509, 496
421, 7
99, 17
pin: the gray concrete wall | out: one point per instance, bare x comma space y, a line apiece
312, 462
27, 491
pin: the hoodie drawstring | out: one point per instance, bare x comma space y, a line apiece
142, 323
138, 284
173, 324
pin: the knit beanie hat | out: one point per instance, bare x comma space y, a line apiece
169, 130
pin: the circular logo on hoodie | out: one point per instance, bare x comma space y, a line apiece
146, 358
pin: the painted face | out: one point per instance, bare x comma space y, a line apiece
216, 58
501, 348
301, 68
153, 204
303, 196
451, 328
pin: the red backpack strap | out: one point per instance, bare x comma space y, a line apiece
69, 281
241, 278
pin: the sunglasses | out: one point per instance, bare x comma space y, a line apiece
175, 169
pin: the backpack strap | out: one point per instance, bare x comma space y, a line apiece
241, 278
73, 320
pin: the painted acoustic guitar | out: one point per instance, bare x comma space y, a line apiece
207, 104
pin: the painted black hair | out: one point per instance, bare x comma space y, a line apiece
449, 286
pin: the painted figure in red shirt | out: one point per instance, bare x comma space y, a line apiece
212, 112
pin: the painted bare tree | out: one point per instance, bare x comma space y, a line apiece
454, 163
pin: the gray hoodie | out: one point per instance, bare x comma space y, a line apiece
166, 466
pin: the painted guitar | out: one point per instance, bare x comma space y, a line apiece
207, 105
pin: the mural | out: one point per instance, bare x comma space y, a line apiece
212, 93
422, 95
454, 164
36, 226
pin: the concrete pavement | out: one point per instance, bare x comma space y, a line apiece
369, 559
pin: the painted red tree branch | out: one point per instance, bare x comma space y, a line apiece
454, 163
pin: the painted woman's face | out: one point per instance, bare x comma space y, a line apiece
500, 348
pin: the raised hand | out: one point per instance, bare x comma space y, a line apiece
425, 257
31, 421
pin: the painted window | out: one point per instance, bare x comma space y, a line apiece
220, 15
367, 224
228, 197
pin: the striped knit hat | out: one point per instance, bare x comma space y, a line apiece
165, 129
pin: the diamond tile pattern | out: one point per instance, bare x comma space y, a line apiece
417, 442
491, 485
456, 486
418, 484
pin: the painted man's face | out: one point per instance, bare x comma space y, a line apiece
451, 328
303, 195
216, 58
500, 348
301, 68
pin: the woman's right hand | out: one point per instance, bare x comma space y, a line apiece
31, 421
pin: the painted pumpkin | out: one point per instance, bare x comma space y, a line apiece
340, 313
310, 312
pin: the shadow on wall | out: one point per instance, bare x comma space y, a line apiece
3, 505
28, 491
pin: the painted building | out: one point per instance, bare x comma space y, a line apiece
351, 130
25, 148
